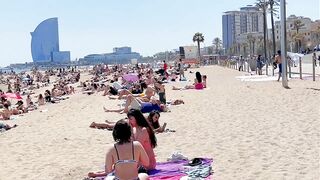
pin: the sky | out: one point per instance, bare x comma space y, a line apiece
96, 26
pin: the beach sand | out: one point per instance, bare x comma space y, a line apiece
252, 130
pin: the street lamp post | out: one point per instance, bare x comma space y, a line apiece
284, 43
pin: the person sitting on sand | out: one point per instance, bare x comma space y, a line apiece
136, 103
28, 100
41, 100
47, 96
198, 84
20, 109
153, 120
5, 101
31, 107
5, 113
143, 133
125, 156
161, 91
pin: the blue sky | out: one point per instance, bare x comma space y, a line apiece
96, 26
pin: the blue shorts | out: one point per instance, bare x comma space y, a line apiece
280, 68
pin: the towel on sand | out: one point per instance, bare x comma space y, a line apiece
174, 170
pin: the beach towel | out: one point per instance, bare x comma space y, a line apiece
174, 170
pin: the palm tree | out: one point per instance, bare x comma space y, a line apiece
263, 5
251, 41
260, 43
297, 39
217, 44
244, 46
198, 37
297, 25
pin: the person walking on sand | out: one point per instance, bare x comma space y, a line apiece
259, 64
314, 58
279, 62
241, 63
181, 70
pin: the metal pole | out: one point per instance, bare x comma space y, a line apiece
266, 59
313, 67
300, 67
284, 43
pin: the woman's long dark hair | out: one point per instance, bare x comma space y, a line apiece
122, 132
142, 122
198, 77
150, 118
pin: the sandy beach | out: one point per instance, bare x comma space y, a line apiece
252, 130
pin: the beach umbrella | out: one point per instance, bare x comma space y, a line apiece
131, 77
13, 96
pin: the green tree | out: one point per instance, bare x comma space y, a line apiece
217, 44
198, 37
273, 4
251, 41
297, 25
263, 5
244, 47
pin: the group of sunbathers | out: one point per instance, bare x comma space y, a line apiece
60, 88
132, 155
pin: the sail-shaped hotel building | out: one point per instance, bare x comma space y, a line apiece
45, 43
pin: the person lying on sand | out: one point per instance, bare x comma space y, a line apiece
200, 83
6, 126
177, 102
136, 90
136, 103
107, 125
153, 120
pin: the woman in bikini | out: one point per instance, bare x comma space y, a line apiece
143, 133
198, 84
124, 157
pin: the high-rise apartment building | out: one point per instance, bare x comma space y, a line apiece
237, 24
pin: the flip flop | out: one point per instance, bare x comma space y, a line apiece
195, 162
